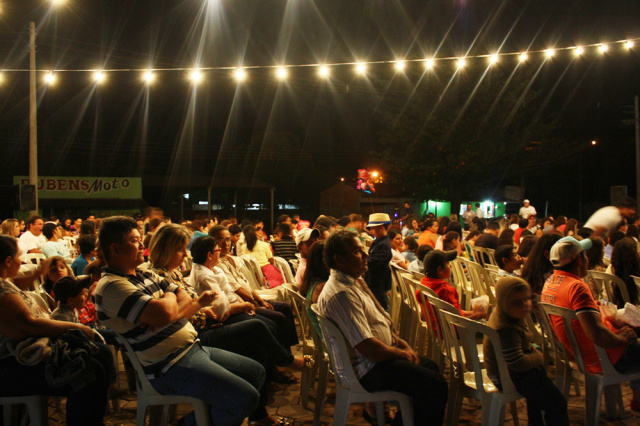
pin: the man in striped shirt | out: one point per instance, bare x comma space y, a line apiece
380, 358
152, 314
284, 247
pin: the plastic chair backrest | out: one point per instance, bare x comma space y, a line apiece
480, 279
253, 265
417, 275
248, 273
470, 252
637, 281
463, 333
35, 258
301, 307
339, 354
568, 318
608, 281
142, 381
485, 256
285, 269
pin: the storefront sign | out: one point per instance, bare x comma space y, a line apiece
55, 187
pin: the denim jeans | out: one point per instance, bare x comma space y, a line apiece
228, 382
85, 407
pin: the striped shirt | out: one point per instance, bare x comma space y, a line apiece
285, 248
120, 299
345, 301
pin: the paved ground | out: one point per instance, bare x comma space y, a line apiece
286, 404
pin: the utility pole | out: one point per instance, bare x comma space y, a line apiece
33, 116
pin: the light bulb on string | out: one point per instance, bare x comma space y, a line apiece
361, 68
578, 51
629, 44
400, 65
148, 77
240, 74
604, 48
323, 71
460, 63
50, 78
523, 57
549, 53
196, 76
282, 73
493, 59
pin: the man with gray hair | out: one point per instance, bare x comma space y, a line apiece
381, 360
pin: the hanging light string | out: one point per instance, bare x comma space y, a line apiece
281, 71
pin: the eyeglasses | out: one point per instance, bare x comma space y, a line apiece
258, 228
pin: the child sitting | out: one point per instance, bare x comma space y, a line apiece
524, 361
71, 294
87, 247
437, 270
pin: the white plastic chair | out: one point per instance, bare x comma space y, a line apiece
148, 396
37, 408
35, 258
482, 282
285, 269
349, 390
317, 349
419, 325
608, 281
470, 378
607, 383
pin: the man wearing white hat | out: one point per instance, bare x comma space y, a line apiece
378, 276
565, 288
527, 209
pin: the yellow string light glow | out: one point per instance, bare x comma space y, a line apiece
281, 72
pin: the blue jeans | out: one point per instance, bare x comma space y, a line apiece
228, 382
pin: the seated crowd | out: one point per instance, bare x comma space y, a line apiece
180, 295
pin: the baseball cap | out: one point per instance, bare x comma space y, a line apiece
306, 233
437, 258
526, 201
566, 249
377, 219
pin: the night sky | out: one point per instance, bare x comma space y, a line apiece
171, 131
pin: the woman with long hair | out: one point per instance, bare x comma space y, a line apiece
314, 279
538, 267
397, 247
261, 251
410, 227
625, 263
23, 319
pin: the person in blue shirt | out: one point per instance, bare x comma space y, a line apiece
87, 247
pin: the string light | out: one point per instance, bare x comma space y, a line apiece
360, 67
50, 79
240, 75
196, 76
281, 73
148, 77
323, 71
99, 77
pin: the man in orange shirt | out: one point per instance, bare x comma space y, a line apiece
565, 288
